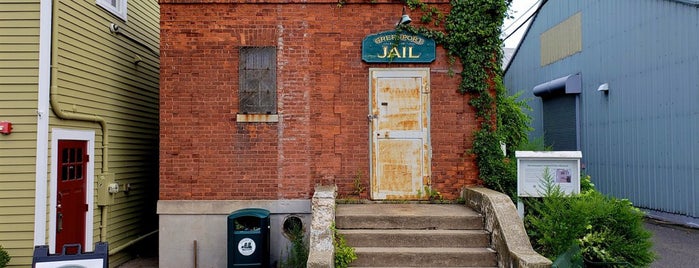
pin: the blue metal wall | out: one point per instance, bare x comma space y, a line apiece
641, 139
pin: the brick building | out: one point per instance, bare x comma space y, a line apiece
262, 100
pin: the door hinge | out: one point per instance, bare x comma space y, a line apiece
87, 158
87, 207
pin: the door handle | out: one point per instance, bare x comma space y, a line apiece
59, 222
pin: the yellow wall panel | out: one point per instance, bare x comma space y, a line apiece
562, 40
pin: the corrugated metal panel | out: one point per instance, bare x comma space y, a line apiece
639, 140
19, 39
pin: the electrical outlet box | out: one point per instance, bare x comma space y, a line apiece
113, 188
104, 198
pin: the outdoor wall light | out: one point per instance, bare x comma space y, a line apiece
404, 19
603, 87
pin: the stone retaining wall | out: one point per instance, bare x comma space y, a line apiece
508, 236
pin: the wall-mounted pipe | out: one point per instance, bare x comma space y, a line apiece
115, 29
56, 108
130, 243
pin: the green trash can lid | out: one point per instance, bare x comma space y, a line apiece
249, 212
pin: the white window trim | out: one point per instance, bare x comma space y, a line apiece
68, 134
119, 10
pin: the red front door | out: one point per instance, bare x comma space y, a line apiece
71, 205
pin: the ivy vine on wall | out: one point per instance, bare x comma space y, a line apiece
471, 34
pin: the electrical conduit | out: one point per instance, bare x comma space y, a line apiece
56, 108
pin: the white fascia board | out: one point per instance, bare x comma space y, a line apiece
42, 124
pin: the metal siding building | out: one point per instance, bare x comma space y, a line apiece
639, 138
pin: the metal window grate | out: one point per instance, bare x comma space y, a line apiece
258, 80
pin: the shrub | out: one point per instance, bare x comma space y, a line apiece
606, 228
298, 254
498, 171
4, 257
344, 254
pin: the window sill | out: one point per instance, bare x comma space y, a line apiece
257, 118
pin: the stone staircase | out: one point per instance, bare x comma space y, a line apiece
415, 235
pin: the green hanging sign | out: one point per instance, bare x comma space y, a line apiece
410, 48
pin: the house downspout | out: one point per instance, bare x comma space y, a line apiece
58, 111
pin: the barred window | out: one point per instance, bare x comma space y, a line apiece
258, 80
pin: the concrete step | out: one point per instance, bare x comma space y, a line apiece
407, 216
424, 257
415, 235
416, 238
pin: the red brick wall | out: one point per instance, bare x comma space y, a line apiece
322, 135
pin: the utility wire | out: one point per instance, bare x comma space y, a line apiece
525, 12
525, 21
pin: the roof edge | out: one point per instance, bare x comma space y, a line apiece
694, 3
526, 32
687, 2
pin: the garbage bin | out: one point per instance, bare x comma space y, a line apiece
248, 238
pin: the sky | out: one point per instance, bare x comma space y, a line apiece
520, 9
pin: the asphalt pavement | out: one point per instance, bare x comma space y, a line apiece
676, 246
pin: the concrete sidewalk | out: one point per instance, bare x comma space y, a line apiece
151, 262
676, 247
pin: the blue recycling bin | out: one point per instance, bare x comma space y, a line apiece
248, 238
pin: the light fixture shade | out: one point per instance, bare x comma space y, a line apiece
404, 19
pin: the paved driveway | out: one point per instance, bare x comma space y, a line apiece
676, 246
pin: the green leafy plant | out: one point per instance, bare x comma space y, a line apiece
357, 183
608, 230
344, 254
298, 254
596, 244
431, 194
586, 184
536, 144
4, 257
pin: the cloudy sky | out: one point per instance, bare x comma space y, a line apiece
520, 9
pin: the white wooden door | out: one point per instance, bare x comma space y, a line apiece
400, 132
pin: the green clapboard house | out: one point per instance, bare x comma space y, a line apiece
79, 105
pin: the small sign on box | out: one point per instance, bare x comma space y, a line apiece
563, 167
